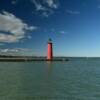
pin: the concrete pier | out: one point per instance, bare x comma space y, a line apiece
20, 59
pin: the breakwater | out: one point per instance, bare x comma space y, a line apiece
30, 58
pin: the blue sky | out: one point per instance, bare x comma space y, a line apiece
73, 25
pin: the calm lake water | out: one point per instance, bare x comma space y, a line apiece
77, 79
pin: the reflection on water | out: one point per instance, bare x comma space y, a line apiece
49, 66
73, 80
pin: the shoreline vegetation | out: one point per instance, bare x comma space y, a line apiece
29, 58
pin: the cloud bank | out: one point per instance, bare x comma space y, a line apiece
12, 29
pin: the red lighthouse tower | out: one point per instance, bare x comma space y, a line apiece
50, 50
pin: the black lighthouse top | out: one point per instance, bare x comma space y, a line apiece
50, 40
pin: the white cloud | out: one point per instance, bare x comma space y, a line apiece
52, 4
15, 51
45, 7
47, 14
62, 32
16, 28
29, 37
9, 38
3, 50
38, 5
13, 2
72, 12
